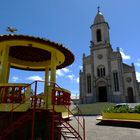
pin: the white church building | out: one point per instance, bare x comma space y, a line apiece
104, 77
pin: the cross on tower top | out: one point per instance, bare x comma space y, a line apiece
98, 9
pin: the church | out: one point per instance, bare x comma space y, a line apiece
104, 77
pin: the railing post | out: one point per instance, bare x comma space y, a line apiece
12, 95
5, 94
84, 129
20, 96
34, 108
78, 120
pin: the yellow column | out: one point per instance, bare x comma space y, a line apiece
4, 65
52, 78
7, 72
53, 68
0, 62
0, 57
46, 86
28, 95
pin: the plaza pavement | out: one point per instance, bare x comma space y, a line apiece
95, 130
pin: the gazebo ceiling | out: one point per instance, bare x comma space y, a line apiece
29, 53
27, 49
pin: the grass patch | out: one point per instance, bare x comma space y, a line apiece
95, 108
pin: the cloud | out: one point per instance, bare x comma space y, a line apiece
62, 72
71, 77
67, 73
65, 70
124, 56
15, 78
34, 78
77, 80
138, 76
80, 67
137, 64
59, 73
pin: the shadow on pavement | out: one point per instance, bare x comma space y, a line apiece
120, 124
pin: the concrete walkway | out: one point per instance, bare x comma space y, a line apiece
101, 131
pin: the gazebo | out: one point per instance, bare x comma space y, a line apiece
33, 116
33, 54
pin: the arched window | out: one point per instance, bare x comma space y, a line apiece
88, 83
116, 81
101, 71
98, 35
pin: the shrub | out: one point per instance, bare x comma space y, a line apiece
121, 109
137, 109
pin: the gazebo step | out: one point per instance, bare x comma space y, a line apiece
67, 131
71, 136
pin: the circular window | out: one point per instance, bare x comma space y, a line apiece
100, 56
128, 79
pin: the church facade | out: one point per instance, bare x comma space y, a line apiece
104, 77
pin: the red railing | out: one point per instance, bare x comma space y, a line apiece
60, 97
38, 101
12, 94
78, 119
82, 125
16, 94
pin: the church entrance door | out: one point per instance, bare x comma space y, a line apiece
130, 95
102, 92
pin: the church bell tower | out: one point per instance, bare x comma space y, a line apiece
100, 30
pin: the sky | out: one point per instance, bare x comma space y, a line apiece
68, 22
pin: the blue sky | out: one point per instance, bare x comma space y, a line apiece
68, 22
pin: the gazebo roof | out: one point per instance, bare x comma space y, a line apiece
35, 50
